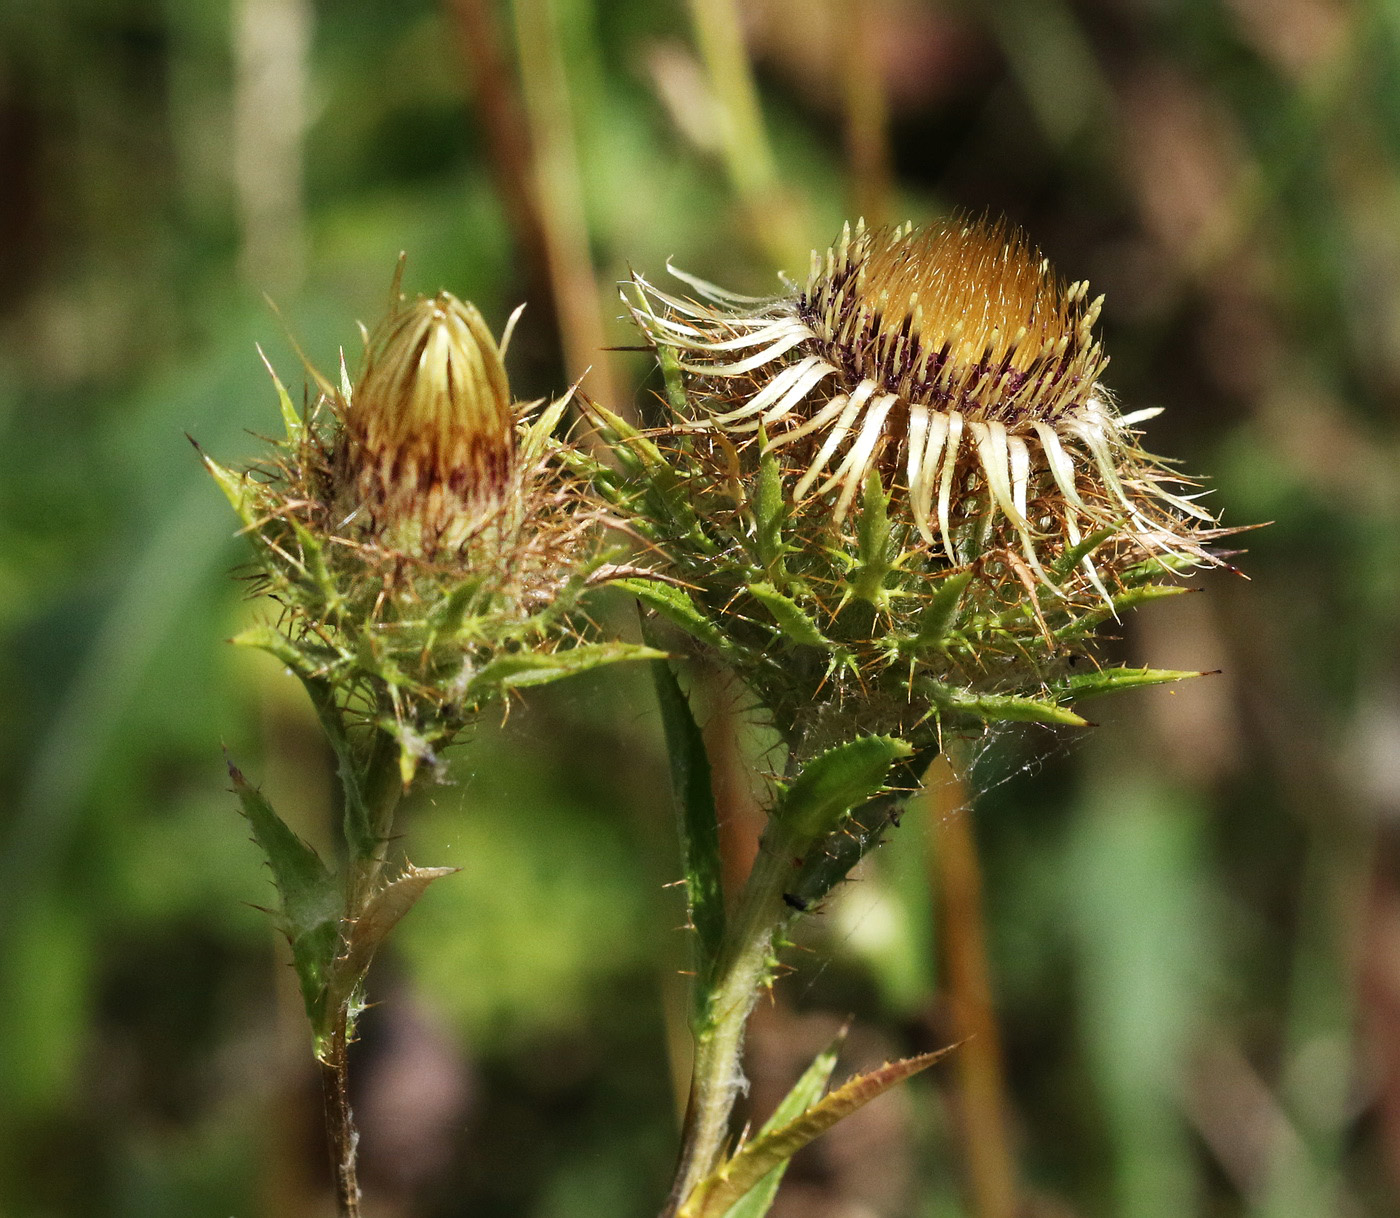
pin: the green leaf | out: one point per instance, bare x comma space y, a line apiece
805, 1092
1061, 568
860, 833
715, 1194
792, 619
1108, 680
538, 435
676, 605
238, 488
872, 545
699, 827
999, 708
1121, 601
362, 835
830, 785
302, 658
631, 444
314, 564
770, 511
674, 379
525, 668
941, 611
447, 616
291, 420
372, 927
311, 899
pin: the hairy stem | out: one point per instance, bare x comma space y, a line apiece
745, 967
341, 1134
380, 786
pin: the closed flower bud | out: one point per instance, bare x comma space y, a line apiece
429, 449
424, 538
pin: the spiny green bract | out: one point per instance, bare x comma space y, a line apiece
863, 626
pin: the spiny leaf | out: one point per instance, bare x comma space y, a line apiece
1106, 681
372, 927
699, 827
447, 616
872, 545
301, 657
290, 418
941, 611
1121, 602
674, 378
631, 442
998, 708
1060, 569
314, 563
827, 866
805, 1092
830, 785
537, 434
792, 619
360, 834
717, 1192
770, 511
238, 488
526, 668
676, 605
311, 901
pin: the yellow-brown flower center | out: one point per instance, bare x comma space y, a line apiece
960, 316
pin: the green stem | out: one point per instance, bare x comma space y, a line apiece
746, 965
380, 787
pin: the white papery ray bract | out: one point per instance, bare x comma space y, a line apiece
931, 354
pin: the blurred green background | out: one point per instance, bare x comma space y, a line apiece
1192, 912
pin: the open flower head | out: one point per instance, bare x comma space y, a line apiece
427, 546
940, 358
899, 495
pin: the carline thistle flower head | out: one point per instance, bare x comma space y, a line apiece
942, 358
426, 543
898, 496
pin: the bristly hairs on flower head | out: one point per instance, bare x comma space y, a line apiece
948, 359
425, 542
